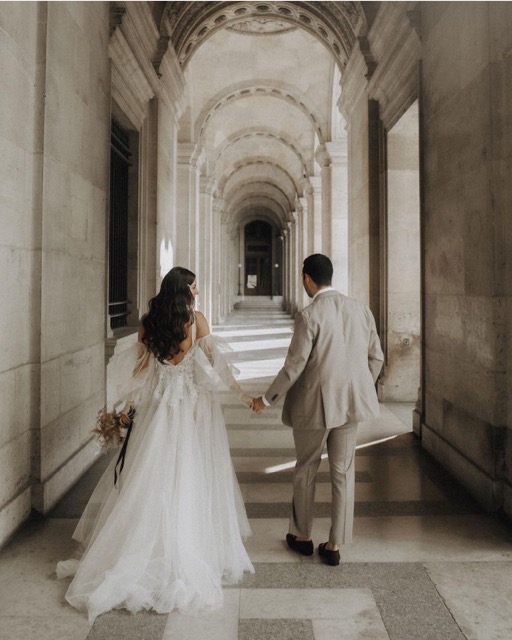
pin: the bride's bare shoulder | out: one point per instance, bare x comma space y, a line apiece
202, 325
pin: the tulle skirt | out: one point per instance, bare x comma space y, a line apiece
170, 532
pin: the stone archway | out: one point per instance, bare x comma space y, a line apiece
335, 24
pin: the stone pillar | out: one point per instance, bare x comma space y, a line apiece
339, 213
240, 286
224, 257
205, 233
354, 106
187, 207
216, 260
308, 205
324, 160
315, 220
294, 236
286, 275
302, 245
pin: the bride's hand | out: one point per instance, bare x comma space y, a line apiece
125, 419
247, 400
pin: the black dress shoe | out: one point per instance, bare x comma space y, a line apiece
332, 557
301, 546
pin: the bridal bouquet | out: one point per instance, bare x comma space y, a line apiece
109, 431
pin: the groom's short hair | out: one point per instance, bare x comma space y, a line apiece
319, 268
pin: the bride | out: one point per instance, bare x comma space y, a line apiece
169, 532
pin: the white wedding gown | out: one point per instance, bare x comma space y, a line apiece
170, 532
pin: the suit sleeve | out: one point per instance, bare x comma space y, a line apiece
375, 354
296, 359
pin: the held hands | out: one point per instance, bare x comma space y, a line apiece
258, 406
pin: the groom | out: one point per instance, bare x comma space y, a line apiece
329, 378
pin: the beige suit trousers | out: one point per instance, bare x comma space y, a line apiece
341, 448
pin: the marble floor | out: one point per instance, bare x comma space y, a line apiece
426, 563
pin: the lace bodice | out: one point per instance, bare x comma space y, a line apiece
173, 380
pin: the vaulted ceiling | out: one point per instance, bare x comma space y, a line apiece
262, 80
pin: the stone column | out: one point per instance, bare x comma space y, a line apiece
205, 232
232, 266
286, 273
354, 106
308, 206
187, 206
240, 287
224, 279
324, 160
302, 246
216, 259
339, 213
315, 215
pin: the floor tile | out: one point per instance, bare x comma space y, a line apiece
221, 624
305, 604
276, 630
43, 627
145, 625
267, 544
366, 626
478, 595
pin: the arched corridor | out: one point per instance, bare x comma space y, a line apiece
417, 537
237, 138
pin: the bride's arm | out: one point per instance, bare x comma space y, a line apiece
202, 328
139, 371
217, 360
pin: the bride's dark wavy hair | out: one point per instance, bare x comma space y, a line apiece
169, 312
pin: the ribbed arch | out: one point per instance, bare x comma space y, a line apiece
250, 133
255, 90
335, 24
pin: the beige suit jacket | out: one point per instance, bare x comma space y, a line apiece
331, 367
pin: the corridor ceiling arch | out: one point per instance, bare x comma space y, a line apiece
287, 94
335, 24
264, 137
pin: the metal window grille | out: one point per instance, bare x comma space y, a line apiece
118, 233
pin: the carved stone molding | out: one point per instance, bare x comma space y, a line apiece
115, 16
261, 26
263, 134
338, 151
397, 47
322, 156
259, 90
367, 54
414, 17
161, 50
154, 59
260, 162
353, 83
187, 154
130, 86
336, 24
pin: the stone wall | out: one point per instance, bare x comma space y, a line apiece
19, 258
467, 136
465, 146
75, 185
55, 141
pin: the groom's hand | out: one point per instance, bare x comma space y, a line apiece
258, 406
